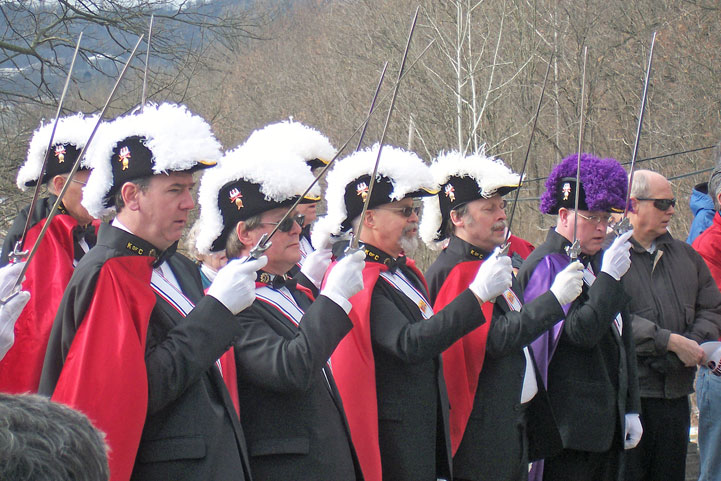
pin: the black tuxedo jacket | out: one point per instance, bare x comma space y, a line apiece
191, 430
592, 380
494, 444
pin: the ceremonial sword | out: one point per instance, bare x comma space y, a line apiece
353, 246
17, 254
506, 244
264, 241
624, 225
147, 62
373, 103
72, 172
575, 248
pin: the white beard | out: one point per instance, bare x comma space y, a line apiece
408, 244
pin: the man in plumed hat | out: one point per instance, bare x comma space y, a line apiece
135, 344
292, 413
70, 136
311, 147
490, 373
70, 235
587, 360
388, 369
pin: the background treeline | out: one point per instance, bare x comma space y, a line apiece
478, 84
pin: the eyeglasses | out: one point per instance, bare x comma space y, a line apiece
79, 182
662, 204
496, 206
287, 224
595, 219
404, 211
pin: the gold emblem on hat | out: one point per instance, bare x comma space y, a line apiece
450, 192
361, 189
60, 153
566, 190
124, 157
236, 197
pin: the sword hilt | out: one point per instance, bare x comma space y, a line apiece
622, 226
574, 250
350, 250
10, 297
505, 248
260, 248
17, 255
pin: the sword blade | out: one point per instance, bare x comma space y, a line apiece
373, 103
143, 98
356, 236
644, 96
575, 248
75, 168
262, 245
525, 159
18, 245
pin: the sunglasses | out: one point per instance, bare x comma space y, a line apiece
287, 224
404, 211
662, 204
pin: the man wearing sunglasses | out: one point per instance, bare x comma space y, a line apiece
389, 369
586, 361
676, 306
292, 413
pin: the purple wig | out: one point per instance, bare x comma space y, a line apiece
603, 181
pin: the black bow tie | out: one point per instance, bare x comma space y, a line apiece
282, 281
394, 264
165, 255
85, 232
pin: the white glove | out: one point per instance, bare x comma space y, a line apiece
8, 315
8, 277
634, 430
234, 286
568, 283
493, 277
315, 265
345, 280
617, 258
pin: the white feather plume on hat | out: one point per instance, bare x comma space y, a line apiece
280, 176
407, 172
488, 172
177, 138
295, 138
74, 129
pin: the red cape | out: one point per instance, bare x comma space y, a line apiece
707, 244
104, 375
462, 362
354, 373
47, 276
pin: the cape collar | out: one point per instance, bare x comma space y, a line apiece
130, 244
373, 254
559, 243
465, 250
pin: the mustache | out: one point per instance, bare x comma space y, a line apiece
500, 225
410, 227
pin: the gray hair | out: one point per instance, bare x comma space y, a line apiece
233, 246
460, 211
640, 188
41, 440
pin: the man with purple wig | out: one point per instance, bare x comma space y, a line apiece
587, 360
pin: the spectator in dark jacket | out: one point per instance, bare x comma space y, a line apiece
676, 306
